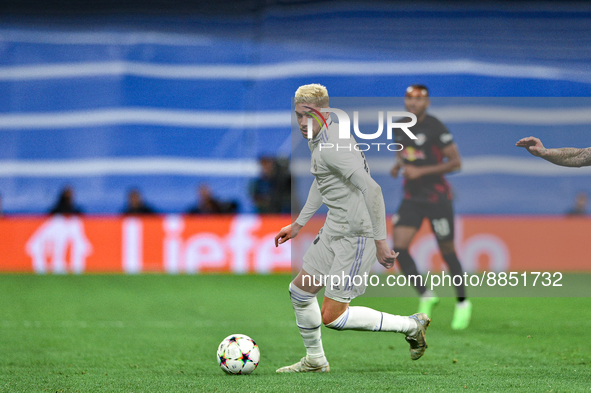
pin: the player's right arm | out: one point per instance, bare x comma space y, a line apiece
452, 163
565, 156
396, 168
374, 200
313, 203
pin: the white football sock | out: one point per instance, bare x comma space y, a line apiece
309, 320
363, 318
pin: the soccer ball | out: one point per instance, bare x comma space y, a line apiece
238, 354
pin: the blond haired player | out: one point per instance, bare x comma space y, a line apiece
354, 234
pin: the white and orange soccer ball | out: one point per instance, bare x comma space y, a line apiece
238, 354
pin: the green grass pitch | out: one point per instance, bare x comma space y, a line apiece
158, 333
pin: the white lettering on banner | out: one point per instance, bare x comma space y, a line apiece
172, 247
240, 240
207, 250
489, 245
469, 250
481, 244
267, 256
51, 242
204, 250
132, 243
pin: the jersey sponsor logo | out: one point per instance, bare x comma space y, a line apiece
412, 154
421, 139
445, 138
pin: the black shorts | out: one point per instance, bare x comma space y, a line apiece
440, 215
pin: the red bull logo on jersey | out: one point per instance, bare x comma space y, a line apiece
412, 154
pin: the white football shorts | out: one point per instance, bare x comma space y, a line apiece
341, 264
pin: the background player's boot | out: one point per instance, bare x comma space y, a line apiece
462, 315
417, 342
304, 367
426, 304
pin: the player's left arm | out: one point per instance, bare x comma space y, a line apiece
313, 203
452, 163
374, 200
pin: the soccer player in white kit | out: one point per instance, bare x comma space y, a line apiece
354, 234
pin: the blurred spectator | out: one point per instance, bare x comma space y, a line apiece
271, 191
580, 206
65, 203
261, 189
136, 204
208, 204
286, 189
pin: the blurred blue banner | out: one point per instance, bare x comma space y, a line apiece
165, 104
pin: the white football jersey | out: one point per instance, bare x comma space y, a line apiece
332, 167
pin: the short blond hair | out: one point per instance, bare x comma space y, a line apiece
314, 94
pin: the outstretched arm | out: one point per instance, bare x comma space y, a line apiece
565, 156
313, 203
374, 200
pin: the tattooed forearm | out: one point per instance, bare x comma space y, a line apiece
568, 156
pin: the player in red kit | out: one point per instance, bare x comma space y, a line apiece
423, 163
